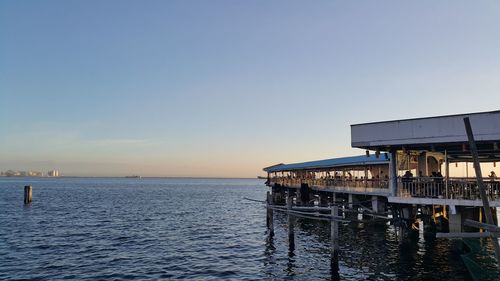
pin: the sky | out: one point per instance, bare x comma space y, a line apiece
224, 88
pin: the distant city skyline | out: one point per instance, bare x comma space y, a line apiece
29, 173
224, 88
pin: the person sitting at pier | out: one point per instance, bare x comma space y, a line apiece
407, 179
438, 183
493, 183
408, 175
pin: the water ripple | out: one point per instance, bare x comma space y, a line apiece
120, 229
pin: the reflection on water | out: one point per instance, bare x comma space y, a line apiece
195, 229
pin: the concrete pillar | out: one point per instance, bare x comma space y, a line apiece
455, 220
378, 206
393, 173
352, 200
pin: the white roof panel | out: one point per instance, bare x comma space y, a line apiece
431, 130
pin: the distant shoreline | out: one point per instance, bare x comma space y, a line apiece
123, 177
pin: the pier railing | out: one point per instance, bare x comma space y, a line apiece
332, 183
454, 188
428, 187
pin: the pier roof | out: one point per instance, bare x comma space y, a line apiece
330, 163
431, 133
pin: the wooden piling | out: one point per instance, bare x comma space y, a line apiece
480, 183
270, 217
291, 231
28, 194
335, 239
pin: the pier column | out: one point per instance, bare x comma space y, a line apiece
393, 173
455, 223
352, 213
378, 206
455, 219
353, 200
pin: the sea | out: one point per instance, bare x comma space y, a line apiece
192, 229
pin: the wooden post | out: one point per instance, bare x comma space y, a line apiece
291, 234
480, 183
270, 223
28, 194
335, 239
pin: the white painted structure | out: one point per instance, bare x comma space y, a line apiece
431, 130
414, 141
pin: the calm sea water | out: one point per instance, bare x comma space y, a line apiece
203, 229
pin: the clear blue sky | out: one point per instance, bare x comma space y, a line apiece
223, 88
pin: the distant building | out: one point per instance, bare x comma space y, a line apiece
53, 173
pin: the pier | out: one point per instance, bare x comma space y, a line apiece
410, 174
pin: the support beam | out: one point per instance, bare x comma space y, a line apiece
482, 189
476, 224
468, 235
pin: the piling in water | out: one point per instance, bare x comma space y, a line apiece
27, 194
270, 216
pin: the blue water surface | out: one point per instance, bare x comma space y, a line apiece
202, 229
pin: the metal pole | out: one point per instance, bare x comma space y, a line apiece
480, 183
